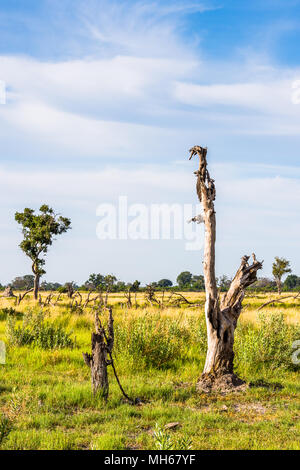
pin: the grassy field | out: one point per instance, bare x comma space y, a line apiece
45, 390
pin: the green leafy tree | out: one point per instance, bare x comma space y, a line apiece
50, 286
184, 279
95, 282
120, 286
164, 283
281, 266
135, 286
263, 284
71, 287
23, 283
291, 282
38, 232
223, 283
198, 283
109, 282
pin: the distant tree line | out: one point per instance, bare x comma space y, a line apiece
40, 229
186, 281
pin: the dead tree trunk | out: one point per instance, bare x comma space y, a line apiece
70, 289
102, 345
127, 295
221, 315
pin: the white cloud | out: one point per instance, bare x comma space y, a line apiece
263, 97
97, 108
77, 135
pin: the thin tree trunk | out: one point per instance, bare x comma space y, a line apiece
279, 287
36, 284
221, 316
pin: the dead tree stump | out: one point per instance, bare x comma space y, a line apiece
102, 346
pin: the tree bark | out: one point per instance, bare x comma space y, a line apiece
279, 286
221, 315
102, 345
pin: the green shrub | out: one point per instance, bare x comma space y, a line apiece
37, 332
151, 339
269, 343
197, 331
163, 440
6, 312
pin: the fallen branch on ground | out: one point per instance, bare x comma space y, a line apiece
279, 300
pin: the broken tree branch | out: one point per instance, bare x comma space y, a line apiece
279, 300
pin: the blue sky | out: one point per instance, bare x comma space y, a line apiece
104, 98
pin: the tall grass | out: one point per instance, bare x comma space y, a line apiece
151, 340
35, 331
268, 343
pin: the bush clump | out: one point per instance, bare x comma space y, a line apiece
10, 311
151, 339
267, 344
36, 332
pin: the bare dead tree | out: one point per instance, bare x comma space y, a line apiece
70, 289
102, 344
127, 295
150, 295
221, 314
48, 299
22, 296
175, 299
87, 299
180, 299
77, 294
57, 299
94, 299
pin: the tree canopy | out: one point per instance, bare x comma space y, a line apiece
165, 283
184, 279
39, 231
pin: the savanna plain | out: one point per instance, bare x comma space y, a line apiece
46, 401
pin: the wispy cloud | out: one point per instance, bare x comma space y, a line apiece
141, 28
